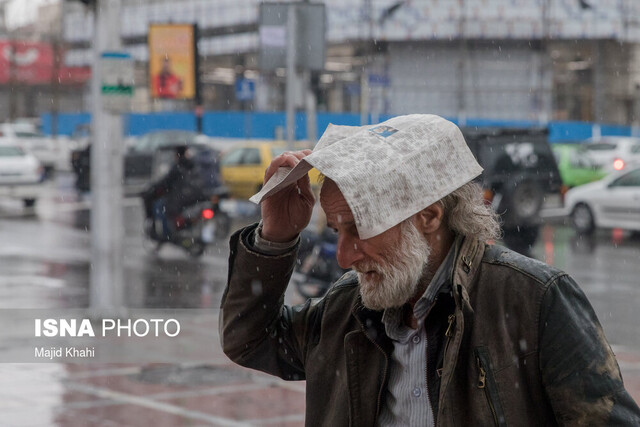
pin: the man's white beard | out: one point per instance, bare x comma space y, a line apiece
397, 280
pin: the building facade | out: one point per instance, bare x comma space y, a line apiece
490, 59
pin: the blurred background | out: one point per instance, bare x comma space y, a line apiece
95, 95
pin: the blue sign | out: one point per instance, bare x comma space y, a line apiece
245, 89
379, 80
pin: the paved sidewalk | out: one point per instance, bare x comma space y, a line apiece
218, 393
161, 395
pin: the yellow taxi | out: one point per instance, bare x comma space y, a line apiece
242, 167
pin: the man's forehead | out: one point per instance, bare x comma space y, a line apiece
333, 203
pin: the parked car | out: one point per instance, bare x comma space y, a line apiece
520, 171
614, 153
139, 160
575, 165
21, 174
243, 167
613, 202
51, 152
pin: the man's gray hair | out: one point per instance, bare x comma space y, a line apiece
467, 214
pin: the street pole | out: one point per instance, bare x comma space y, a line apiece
55, 82
291, 74
197, 80
463, 53
13, 107
364, 77
310, 107
543, 116
106, 290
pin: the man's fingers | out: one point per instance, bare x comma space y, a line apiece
304, 184
288, 158
302, 154
284, 159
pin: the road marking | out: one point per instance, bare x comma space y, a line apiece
44, 281
129, 399
55, 207
278, 420
214, 391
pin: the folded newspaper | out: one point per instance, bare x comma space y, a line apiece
389, 171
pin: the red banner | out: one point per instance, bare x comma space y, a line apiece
32, 63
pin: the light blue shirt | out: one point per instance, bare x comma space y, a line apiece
407, 402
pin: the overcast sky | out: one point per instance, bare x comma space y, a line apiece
21, 12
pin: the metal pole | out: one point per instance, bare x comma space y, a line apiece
291, 74
106, 277
310, 107
364, 78
598, 82
198, 83
542, 107
463, 53
12, 80
55, 82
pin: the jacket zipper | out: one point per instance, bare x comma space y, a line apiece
426, 353
482, 383
449, 332
486, 382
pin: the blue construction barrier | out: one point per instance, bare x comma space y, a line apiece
67, 122
270, 125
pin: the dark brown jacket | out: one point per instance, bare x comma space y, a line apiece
524, 346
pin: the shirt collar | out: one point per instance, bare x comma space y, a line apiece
393, 318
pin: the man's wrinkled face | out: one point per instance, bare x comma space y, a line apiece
389, 265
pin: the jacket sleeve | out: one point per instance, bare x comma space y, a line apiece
256, 329
579, 370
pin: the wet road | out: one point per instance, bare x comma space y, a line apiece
45, 258
45, 263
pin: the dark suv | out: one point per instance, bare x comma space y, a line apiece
519, 172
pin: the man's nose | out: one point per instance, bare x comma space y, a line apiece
349, 251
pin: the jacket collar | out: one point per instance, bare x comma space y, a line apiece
466, 266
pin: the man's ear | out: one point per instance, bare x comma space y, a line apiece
430, 219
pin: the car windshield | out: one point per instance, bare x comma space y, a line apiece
600, 146
10, 151
152, 141
28, 134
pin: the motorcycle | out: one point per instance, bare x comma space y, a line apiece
196, 227
318, 267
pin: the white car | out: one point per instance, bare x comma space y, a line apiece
612, 202
21, 174
53, 153
614, 153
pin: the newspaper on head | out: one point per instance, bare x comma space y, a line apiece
387, 172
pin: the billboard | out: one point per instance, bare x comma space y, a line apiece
32, 63
172, 61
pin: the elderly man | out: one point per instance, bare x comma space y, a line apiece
433, 326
